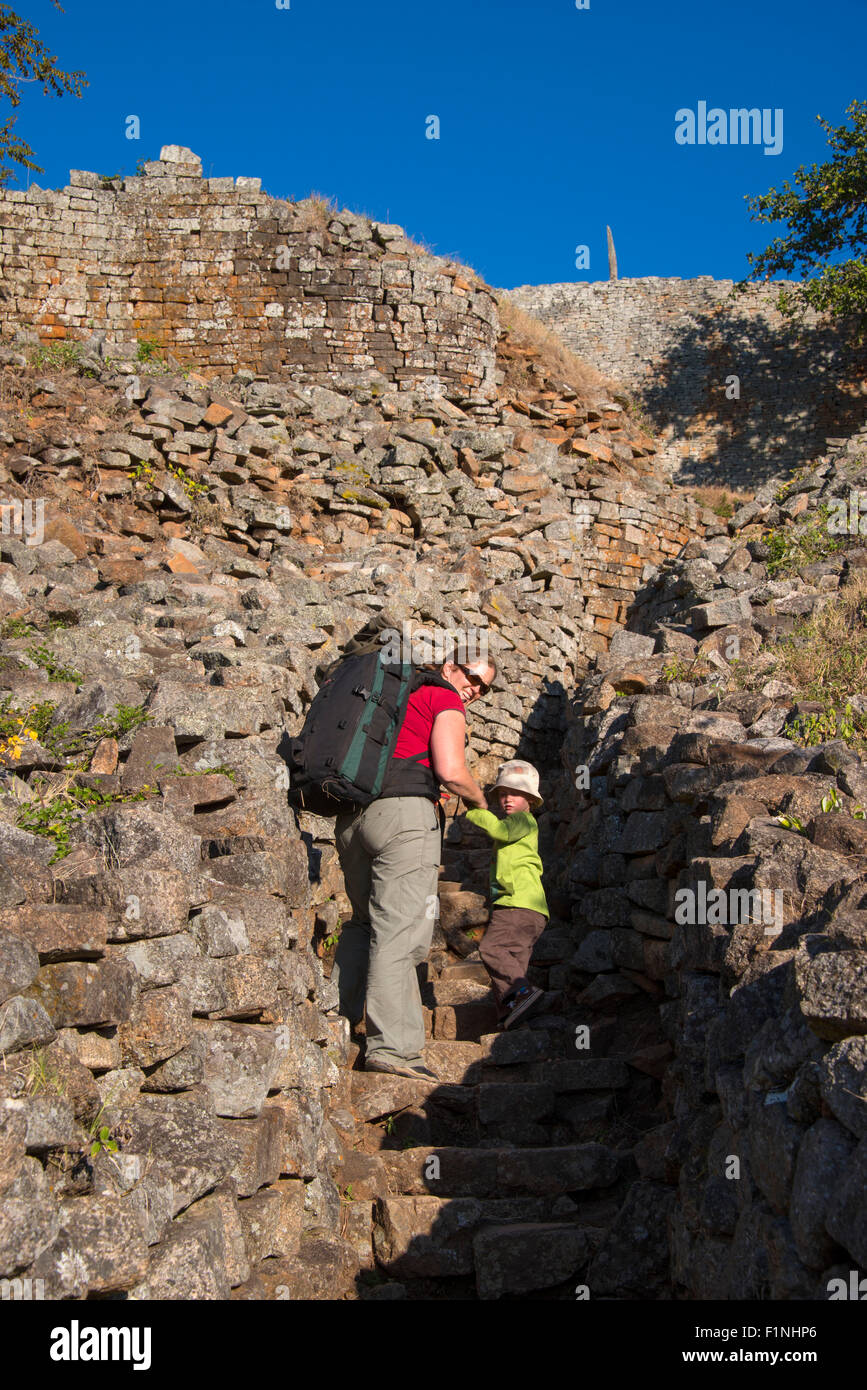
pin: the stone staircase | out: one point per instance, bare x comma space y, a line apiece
496, 1180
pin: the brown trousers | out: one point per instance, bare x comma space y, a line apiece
507, 946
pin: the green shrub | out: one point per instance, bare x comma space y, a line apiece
56, 817
49, 663
63, 354
791, 548
149, 350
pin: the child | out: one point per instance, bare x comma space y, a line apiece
519, 910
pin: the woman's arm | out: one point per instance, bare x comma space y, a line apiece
447, 757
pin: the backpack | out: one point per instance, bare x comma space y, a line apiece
342, 759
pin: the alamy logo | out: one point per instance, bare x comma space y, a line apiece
857, 1288
75, 1343
736, 907
22, 1290
739, 126
852, 520
25, 519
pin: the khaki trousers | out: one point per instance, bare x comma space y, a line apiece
389, 853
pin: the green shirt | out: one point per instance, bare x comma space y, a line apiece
516, 869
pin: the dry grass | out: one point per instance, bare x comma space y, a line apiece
555, 359
455, 263
14, 393
824, 660
722, 501
321, 209
826, 656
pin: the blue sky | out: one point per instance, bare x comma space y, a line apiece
553, 121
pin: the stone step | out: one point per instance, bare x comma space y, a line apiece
374, 1094
480, 1172
451, 1030
461, 946
461, 909
489, 1115
516, 1103
466, 970
454, 1061
464, 1022
450, 885
566, 1074
432, 1237
531, 1255
363, 1174
467, 1059
460, 991
585, 1114
522, 1043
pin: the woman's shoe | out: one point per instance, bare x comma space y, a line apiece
394, 1068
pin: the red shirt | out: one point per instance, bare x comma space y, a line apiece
422, 709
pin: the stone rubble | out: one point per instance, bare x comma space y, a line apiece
755, 1032
198, 552
181, 1111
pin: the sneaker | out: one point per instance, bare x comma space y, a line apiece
393, 1068
520, 1004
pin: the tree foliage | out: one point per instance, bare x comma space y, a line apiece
24, 59
827, 217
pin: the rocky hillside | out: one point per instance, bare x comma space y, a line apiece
181, 1113
177, 560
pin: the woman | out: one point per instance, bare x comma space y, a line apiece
390, 854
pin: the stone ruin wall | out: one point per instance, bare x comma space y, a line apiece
167, 968
221, 1057
224, 276
673, 343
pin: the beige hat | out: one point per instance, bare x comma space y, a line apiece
519, 777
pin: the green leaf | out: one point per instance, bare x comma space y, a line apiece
825, 216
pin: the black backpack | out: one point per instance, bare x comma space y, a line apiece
342, 759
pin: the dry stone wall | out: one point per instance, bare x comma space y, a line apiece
179, 558
196, 554
751, 1187
676, 344
716, 868
226, 277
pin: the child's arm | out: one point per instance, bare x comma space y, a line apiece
513, 827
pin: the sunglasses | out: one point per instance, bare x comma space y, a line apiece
475, 680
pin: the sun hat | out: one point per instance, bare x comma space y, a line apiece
521, 777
